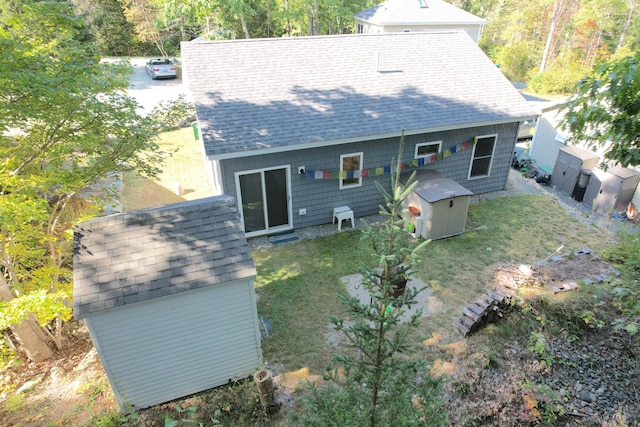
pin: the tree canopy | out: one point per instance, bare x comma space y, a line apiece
550, 44
605, 110
67, 123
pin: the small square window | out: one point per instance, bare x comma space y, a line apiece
426, 149
351, 162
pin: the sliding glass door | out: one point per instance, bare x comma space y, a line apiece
264, 199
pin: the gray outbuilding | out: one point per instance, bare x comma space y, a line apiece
167, 295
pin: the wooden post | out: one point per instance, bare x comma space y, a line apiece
264, 382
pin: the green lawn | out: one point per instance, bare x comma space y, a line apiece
298, 282
184, 166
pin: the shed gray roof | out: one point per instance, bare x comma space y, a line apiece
410, 12
290, 93
140, 255
432, 186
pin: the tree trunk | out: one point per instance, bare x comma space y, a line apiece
627, 24
288, 21
316, 18
29, 335
557, 6
245, 30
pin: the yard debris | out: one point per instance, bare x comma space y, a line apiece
264, 383
556, 256
265, 327
564, 287
485, 309
583, 251
509, 278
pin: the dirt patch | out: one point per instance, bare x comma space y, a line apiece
586, 377
594, 376
69, 389
575, 268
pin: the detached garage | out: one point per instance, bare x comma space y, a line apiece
167, 295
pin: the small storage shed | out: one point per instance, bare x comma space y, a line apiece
167, 295
611, 191
569, 163
437, 205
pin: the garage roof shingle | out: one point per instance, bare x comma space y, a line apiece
290, 93
140, 255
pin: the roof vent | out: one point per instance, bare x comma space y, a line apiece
423, 3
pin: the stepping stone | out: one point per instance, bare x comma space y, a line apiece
556, 258
587, 281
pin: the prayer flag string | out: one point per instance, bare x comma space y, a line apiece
386, 170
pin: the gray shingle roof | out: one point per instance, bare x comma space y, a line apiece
288, 93
410, 12
140, 255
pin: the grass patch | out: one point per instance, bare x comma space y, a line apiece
298, 285
184, 166
298, 282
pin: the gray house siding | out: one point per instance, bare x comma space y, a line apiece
320, 196
204, 338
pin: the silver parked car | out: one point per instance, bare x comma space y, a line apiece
161, 68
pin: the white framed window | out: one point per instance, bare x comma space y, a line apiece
482, 156
426, 149
351, 162
360, 28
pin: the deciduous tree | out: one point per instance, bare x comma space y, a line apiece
67, 123
604, 112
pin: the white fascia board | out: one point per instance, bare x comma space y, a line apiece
432, 23
321, 144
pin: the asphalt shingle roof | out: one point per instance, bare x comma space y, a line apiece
140, 255
410, 12
288, 93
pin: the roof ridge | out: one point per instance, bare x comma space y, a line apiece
186, 206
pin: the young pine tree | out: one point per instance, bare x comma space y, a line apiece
376, 382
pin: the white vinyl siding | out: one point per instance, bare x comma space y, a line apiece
169, 347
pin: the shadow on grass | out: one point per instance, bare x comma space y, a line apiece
140, 193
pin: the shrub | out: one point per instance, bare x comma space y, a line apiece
556, 80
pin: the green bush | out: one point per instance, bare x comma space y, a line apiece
515, 60
556, 80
